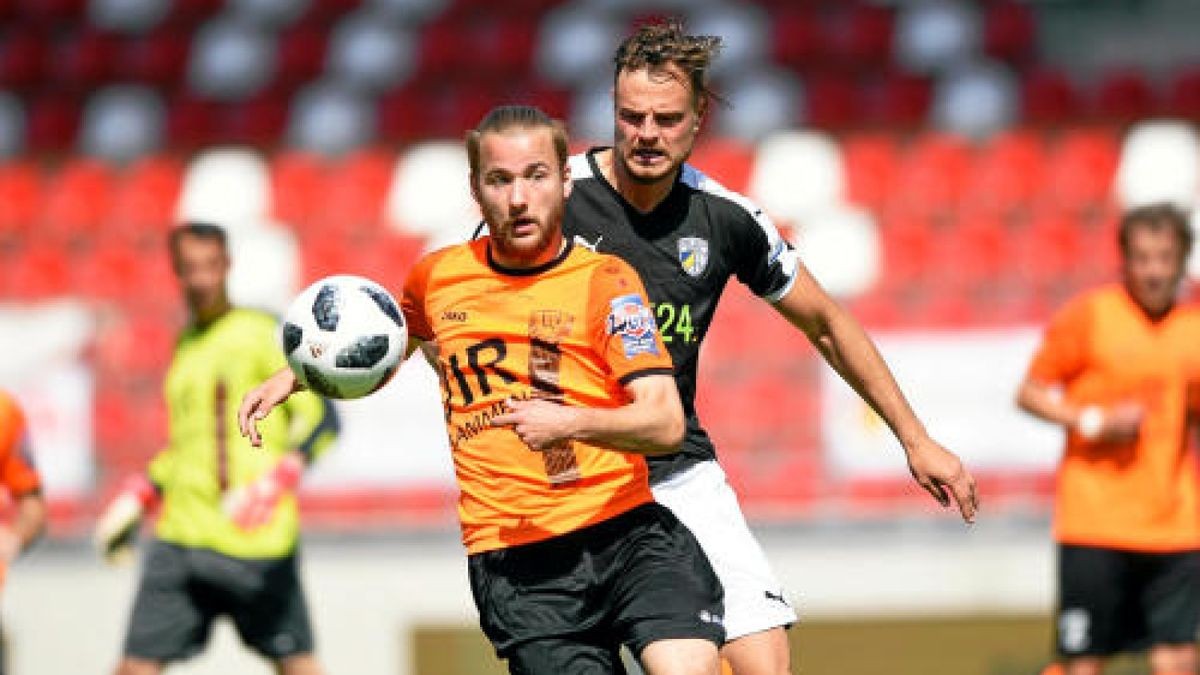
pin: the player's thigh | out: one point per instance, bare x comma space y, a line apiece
763, 653
1171, 598
301, 664
169, 621
704, 501
662, 586
1096, 613
576, 655
680, 657
268, 606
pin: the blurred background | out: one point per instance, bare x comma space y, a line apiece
951, 170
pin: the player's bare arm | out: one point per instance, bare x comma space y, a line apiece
650, 424
1110, 424
27, 526
849, 350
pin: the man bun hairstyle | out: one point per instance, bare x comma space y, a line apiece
505, 117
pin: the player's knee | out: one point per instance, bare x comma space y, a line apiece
130, 666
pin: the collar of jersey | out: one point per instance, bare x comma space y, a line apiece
529, 271
636, 215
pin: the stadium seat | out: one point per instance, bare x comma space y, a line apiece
1184, 96
575, 43
226, 186
743, 30
897, 99
143, 203
23, 59
52, 120
158, 58
1125, 96
77, 202
22, 189
123, 122
230, 60
931, 36
429, 196
351, 201
83, 58
841, 248
1049, 97
931, 177
764, 101
107, 271
127, 17
871, 161
369, 54
266, 267
12, 125
975, 100
192, 122
330, 119
796, 173
1080, 170
302, 50
39, 272
1006, 174
858, 35
1160, 161
50, 12
298, 180
1009, 31
728, 161
795, 35
832, 101
259, 121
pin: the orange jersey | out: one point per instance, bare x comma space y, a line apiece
17, 472
1141, 495
574, 330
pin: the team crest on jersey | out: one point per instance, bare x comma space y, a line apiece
634, 322
693, 255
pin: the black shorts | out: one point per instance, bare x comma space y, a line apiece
1112, 600
568, 603
182, 590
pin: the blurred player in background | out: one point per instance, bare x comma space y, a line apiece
687, 236
1114, 369
227, 537
555, 383
20, 480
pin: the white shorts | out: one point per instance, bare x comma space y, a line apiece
703, 500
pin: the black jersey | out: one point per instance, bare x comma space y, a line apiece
685, 250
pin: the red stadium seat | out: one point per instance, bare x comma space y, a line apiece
795, 36
51, 12
22, 188
898, 99
1080, 170
1184, 97
106, 272
1009, 31
157, 58
832, 101
352, 200
258, 121
727, 160
192, 122
77, 202
143, 204
39, 272
871, 162
302, 53
52, 122
84, 58
858, 35
23, 58
297, 181
1125, 96
1007, 173
932, 176
1049, 97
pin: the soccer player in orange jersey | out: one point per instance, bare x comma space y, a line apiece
555, 383
1115, 369
20, 480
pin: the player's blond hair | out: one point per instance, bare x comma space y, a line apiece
505, 117
656, 45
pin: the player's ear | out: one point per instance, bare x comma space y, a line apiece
567, 184
474, 180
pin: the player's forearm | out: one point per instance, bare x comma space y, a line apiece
644, 427
1047, 404
30, 521
851, 352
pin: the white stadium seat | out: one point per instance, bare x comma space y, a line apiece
796, 173
330, 119
762, 102
227, 186
575, 44
122, 122
129, 17
430, 194
841, 248
975, 100
370, 52
592, 112
742, 29
230, 60
12, 125
934, 35
1160, 161
266, 267
273, 14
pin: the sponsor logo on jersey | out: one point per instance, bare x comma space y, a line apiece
693, 255
589, 245
777, 597
634, 322
454, 315
708, 617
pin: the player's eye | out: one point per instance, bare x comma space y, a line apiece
668, 120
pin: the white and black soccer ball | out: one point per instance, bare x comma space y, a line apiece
344, 336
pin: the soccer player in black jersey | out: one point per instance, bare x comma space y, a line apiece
686, 236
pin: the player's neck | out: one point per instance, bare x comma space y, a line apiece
205, 316
642, 196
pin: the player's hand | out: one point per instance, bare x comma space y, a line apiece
1121, 423
117, 528
251, 506
943, 475
259, 401
541, 424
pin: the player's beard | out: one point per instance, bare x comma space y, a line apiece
528, 250
667, 174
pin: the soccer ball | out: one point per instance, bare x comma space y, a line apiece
344, 336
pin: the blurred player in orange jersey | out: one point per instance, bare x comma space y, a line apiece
1115, 369
20, 479
556, 384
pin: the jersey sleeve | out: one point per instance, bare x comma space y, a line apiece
622, 323
17, 470
1062, 354
412, 302
762, 260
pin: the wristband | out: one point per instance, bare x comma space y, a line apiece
1090, 422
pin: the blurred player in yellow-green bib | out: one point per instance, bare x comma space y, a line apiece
226, 540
